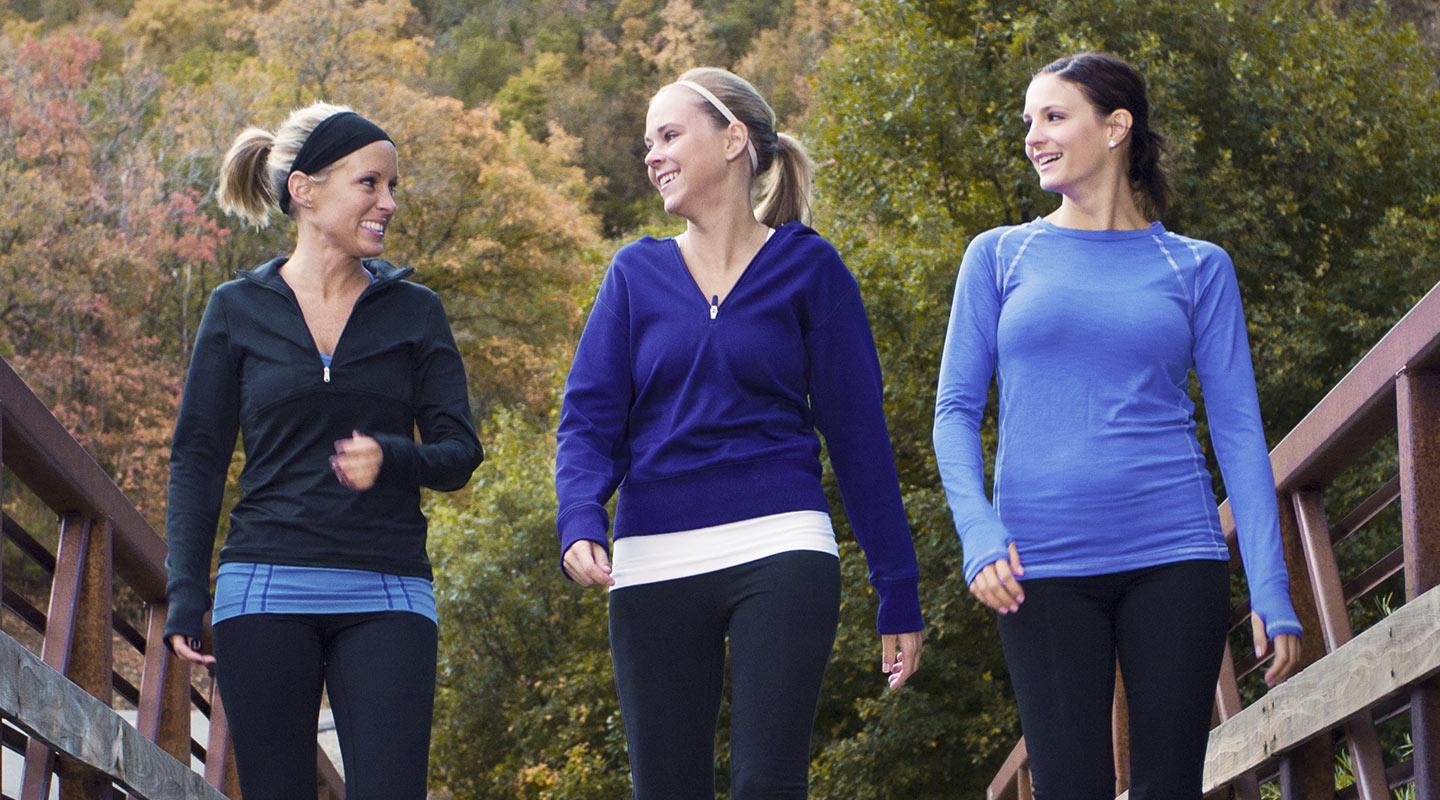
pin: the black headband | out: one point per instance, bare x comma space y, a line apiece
337, 136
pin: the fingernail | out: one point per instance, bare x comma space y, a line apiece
1259, 651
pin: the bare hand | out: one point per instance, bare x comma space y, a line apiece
357, 461
902, 664
998, 585
181, 646
1287, 651
586, 564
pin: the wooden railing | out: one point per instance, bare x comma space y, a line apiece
57, 704
1350, 683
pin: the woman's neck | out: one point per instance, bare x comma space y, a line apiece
314, 268
1108, 208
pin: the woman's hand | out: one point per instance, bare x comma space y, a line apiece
1287, 651
900, 655
182, 647
357, 461
586, 564
998, 587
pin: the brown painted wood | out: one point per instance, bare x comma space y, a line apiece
1360, 408
1006, 784
1418, 419
48, 460
164, 707
1361, 738
219, 755
1120, 734
1227, 704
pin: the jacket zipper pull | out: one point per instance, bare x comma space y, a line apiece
714, 305
327, 373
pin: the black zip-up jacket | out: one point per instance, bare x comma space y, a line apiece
256, 370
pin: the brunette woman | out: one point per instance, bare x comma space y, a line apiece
1103, 538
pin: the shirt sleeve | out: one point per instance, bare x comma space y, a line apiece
1227, 379
200, 453
448, 451
847, 401
592, 455
967, 366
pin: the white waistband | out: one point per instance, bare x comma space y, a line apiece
638, 560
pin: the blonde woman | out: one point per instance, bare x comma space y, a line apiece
708, 365
327, 361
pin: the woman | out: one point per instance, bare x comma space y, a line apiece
707, 365
1104, 539
327, 361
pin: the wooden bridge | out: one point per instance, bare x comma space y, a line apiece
106, 603
105, 583
1351, 682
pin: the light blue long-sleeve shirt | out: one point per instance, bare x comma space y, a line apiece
1091, 336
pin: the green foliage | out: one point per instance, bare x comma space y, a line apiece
526, 705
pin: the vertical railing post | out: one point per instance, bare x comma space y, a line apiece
1120, 734
219, 756
1227, 705
1335, 630
1417, 398
77, 645
1307, 771
164, 713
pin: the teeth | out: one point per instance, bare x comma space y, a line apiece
667, 178
1050, 159
373, 226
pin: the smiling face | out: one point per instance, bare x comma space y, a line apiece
352, 205
1068, 140
684, 149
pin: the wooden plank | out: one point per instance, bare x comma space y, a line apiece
52, 709
1396, 653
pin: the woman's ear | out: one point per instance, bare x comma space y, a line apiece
1117, 126
302, 190
737, 136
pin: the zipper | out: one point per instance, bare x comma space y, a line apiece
327, 374
714, 305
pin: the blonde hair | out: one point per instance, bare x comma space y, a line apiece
781, 162
258, 163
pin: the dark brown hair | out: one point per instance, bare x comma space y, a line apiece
1110, 83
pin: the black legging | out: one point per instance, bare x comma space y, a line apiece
380, 671
668, 642
1168, 626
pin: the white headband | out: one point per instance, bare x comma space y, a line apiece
727, 114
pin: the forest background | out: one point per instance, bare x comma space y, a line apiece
1304, 138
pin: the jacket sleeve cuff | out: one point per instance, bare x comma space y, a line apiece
399, 460
899, 605
186, 616
586, 523
983, 546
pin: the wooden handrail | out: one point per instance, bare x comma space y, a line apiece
102, 537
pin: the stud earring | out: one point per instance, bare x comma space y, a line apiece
1112, 144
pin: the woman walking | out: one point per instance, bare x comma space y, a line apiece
326, 361
708, 364
1103, 538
